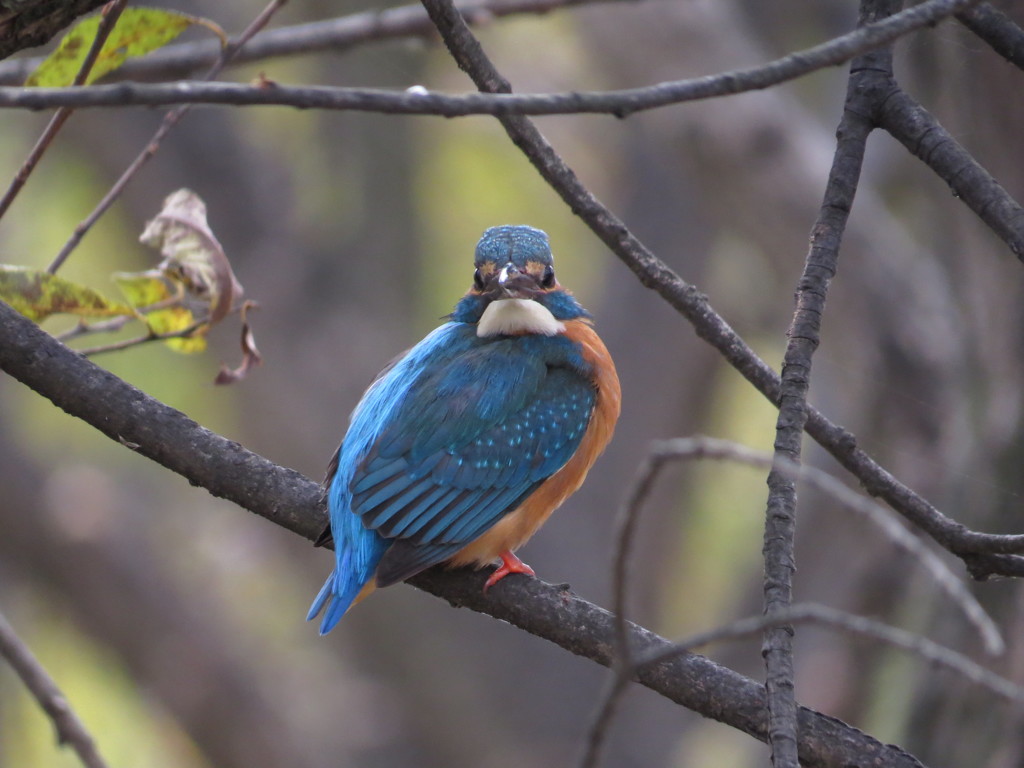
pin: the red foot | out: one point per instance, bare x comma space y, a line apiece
509, 564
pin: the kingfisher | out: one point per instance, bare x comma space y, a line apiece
464, 446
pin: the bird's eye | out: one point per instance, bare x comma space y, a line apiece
548, 279
478, 281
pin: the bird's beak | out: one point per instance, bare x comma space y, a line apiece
512, 283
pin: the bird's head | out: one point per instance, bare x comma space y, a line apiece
515, 290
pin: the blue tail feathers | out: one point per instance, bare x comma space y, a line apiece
336, 600
356, 565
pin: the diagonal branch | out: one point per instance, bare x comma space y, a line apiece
916, 129
283, 496
997, 29
70, 729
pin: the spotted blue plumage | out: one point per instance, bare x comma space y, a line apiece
453, 437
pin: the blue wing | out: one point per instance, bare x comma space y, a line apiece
445, 444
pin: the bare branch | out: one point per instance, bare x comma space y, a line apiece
916, 129
620, 103
711, 448
803, 338
997, 29
70, 730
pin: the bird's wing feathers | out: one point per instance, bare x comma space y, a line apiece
470, 441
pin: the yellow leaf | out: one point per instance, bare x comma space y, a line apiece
175, 319
37, 295
137, 32
146, 289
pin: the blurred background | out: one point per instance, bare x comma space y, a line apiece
174, 621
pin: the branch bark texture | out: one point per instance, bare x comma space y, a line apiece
28, 24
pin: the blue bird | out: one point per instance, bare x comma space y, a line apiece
466, 444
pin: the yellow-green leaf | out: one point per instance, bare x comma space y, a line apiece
172, 320
137, 32
37, 295
145, 289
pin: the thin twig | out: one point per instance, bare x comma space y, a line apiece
111, 13
70, 730
184, 333
882, 518
82, 328
622, 660
171, 119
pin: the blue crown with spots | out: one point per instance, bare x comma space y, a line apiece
513, 243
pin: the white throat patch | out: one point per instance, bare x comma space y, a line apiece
510, 316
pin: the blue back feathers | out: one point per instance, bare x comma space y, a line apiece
454, 436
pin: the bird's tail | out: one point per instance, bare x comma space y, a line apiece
351, 580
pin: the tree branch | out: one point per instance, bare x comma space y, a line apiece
620, 103
997, 29
285, 497
803, 339
70, 729
916, 129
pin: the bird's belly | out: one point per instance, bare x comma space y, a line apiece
516, 528
510, 533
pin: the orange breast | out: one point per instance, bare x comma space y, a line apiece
513, 530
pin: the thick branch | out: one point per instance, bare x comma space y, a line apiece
36, 21
997, 29
286, 498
